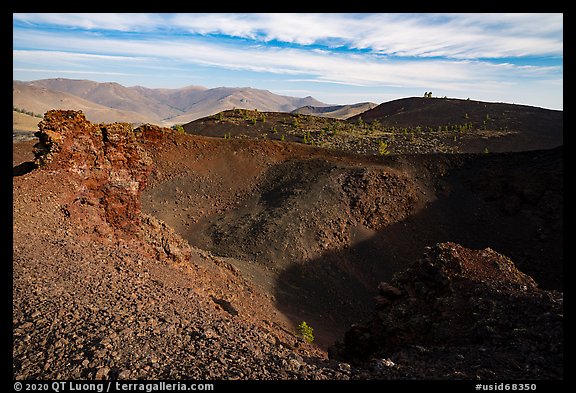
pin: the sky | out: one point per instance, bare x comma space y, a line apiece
336, 58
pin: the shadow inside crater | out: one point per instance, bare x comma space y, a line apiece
511, 203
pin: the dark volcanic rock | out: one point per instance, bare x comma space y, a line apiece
465, 301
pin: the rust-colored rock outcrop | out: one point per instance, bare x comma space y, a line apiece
108, 166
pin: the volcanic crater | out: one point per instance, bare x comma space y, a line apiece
148, 253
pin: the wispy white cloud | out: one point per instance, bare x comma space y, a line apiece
53, 55
75, 72
345, 68
97, 21
461, 36
484, 53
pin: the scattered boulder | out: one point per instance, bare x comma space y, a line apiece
475, 300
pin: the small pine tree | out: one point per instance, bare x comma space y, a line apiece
306, 332
178, 128
383, 148
296, 123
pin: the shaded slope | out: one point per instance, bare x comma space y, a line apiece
472, 311
320, 229
478, 202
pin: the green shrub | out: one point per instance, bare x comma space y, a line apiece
178, 128
383, 148
306, 331
296, 122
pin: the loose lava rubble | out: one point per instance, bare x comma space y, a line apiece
105, 289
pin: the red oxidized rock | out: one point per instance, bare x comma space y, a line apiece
109, 167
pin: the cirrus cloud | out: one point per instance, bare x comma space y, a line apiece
450, 52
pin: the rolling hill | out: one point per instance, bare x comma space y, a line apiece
406, 126
24, 122
112, 95
113, 102
336, 111
522, 127
38, 99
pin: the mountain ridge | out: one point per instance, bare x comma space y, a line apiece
138, 104
336, 111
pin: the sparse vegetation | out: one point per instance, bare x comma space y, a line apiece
296, 122
29, 113
178, 128
383, 148
363, 133
306, 331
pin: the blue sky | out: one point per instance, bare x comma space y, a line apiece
336, 58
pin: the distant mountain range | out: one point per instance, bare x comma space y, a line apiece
109, 102
336, 111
